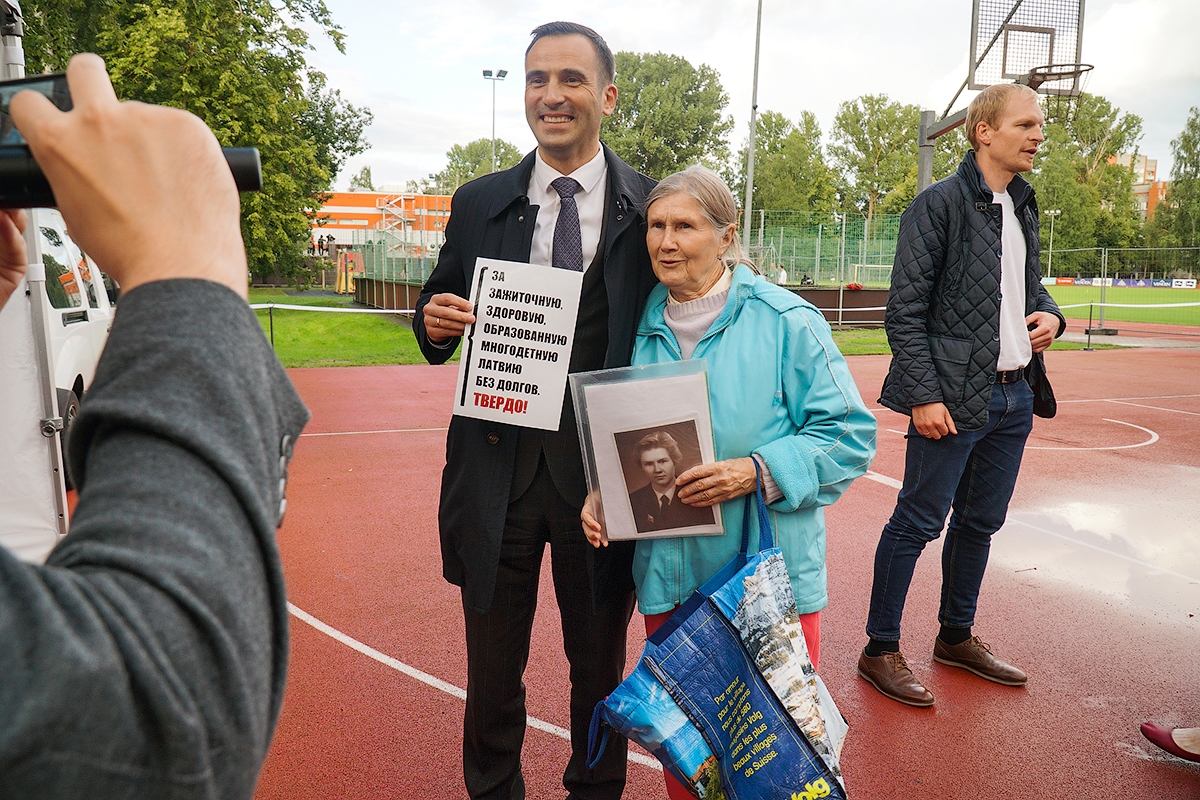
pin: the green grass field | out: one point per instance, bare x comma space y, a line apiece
873, 342
304, 339
1068, 295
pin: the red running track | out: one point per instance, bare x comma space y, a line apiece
1093, 588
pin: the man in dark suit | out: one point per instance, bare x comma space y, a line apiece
508, 491
655, 506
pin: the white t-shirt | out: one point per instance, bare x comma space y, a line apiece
593, 180
1015, 349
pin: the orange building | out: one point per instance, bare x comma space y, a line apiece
1148, 190
417, 219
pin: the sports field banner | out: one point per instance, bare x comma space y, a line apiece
514, 359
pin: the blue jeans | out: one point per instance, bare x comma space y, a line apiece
972, 471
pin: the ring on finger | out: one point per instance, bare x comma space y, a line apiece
437, 321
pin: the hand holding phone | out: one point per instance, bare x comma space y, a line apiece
22, 183
144, 189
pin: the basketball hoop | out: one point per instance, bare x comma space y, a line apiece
1061, 84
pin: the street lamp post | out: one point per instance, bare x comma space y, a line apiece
750, 154
1051, 213
499, 76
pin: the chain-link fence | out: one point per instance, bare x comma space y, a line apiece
388, 256
1128, 285
841, 250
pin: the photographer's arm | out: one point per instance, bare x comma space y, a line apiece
147, 658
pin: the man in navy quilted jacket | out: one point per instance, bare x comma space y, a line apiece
967, 319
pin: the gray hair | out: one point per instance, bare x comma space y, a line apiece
716, 203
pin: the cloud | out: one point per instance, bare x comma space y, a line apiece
417, 66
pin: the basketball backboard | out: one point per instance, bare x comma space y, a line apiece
1011, 37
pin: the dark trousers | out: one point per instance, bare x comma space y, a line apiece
498, 650
975, 473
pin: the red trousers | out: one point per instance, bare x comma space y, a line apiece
810, 624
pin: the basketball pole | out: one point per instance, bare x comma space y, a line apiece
750, 155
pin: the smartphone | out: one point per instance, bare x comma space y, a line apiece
53, 86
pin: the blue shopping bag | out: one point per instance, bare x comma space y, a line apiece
724, 694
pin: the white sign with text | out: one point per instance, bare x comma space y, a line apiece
514, 359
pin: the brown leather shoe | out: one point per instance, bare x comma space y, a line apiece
975, 656
889, 673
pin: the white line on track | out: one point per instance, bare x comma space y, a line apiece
1155, 408
364, 433
436, 683
881, 409
1153, 438
872, 475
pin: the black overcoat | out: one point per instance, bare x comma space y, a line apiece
491, 217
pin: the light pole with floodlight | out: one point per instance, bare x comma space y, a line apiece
1051, 213
499, 76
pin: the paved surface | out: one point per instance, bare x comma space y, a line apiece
1137, 334
1093, 588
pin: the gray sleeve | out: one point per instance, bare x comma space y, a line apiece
147, 658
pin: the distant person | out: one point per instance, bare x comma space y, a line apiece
146, 658
966, 315
782, 277
507, 491
1181, 742
805, 280
656, 506
780, 392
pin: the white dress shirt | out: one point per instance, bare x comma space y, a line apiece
1015, 349
593, 180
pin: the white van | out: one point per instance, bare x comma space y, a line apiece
82, 301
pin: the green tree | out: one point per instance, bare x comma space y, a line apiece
470, 161
875, 147
1076, 174
238, 65
1058, 180
362, 180
947, 154
790, 173
669, 114
1183, 201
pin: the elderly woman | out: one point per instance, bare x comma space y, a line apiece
779, 390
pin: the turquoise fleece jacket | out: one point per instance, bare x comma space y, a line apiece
778, 387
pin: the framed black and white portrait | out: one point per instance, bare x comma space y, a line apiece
641, 428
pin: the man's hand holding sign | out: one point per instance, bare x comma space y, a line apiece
515, 357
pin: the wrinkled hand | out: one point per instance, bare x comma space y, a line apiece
1045, 327
447, 315
933, 420
592, 528
709, 484
13, 258
144, 189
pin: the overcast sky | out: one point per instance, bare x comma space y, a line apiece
418, 65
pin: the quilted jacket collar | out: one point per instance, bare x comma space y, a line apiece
1019, 189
